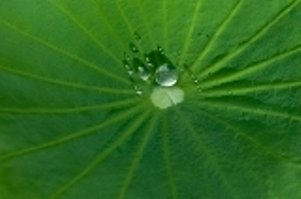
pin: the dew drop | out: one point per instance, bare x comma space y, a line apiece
133, 48
147, 59
126, 64
128, 68
130, 72
141, 69
144, 73
137, 36
166, 76
160, 50
138, 90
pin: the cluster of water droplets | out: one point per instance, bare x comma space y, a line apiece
149, 69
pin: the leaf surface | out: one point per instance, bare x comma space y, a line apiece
72, 126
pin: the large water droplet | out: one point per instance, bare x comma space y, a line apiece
166, 75
134, 48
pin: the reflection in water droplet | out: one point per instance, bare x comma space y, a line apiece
133, 48
166, 76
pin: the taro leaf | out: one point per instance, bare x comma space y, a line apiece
72, 126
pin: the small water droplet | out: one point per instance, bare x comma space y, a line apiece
130, 72
133, 48
166, 76
161, 51
150, 65
147, 59
137, 36
144, 73
138, 90
127, 57
128, 67
126, 64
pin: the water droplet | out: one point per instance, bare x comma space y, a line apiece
126, 64
150, 65
137, 36
126, 57
133, 48
147, 59
161, 51
128, 67
141, 69
138, 90
144, 73
130, 72
166, 76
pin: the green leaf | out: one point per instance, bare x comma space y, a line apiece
72, 125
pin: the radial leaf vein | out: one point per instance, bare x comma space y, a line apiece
253, 110
127, 22
262, 87
102, 156
187, 41
104, 18
207, 152
84, 29
137, 158
165, 25
146, 25
73, 136
166, 158
64, 52
258, 34
222, 27
65, 83
64, 110
255, 142
251, 69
